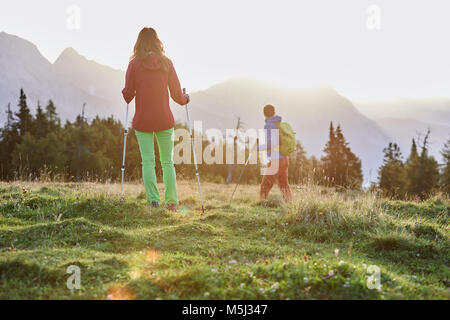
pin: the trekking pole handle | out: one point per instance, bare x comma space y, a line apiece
186, 95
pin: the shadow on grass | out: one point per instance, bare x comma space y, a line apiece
417, 256
69, 233
31, 273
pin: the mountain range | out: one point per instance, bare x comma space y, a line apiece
73, 80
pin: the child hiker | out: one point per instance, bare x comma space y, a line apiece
279, 137
148, 76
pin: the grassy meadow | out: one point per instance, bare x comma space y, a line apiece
318, 247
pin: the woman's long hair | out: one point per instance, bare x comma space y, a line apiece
148, 41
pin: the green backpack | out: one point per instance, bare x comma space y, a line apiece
287, 138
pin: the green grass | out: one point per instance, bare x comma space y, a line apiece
318, 247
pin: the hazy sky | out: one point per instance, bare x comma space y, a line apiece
297, 43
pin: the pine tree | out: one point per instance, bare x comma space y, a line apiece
9, 138
40, 123
430, 170
392, 175
422, 171
24, 118
354, 174
445, 178
341, 166
412, 170
414, 153
352, 164
53, 120
330, 159
9, 117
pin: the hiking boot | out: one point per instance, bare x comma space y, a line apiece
155, 204
172, 207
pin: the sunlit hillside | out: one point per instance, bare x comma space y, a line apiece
321, 246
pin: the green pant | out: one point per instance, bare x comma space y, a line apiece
165, 141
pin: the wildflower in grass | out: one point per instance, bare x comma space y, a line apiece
275, 287
331, 273
305, 280
262, 291
336, 252
213, 270
341, 262
206, 294
232, 262
347, 284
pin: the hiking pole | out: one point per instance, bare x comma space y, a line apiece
195, 157
124, 152
242, 172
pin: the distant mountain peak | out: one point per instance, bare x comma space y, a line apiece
240, 83
3, 34
72, 61
10, 41
69, 54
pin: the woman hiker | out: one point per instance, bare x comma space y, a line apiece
150, 73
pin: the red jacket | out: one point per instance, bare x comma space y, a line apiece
148, 83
